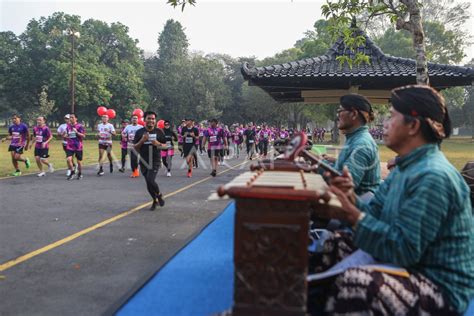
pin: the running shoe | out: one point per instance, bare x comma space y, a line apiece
153, 205
27, 163
50, 168
190, 173
100, 172
71, 175
168, 174
41, 174
122, 170
160, 200
79, 176
16, 173
213, 173
68, 173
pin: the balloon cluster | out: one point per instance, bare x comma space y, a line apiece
139, 114
102, 110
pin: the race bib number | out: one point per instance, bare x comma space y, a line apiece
152, 137
39, 139
189, 140
15, 135
213, 139
72, 135
265, 135
168, 144
104, 135
201, 134
131, 137
251, 141
236, 137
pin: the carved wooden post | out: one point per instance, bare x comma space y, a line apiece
271, 257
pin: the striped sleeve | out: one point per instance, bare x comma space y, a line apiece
414, 227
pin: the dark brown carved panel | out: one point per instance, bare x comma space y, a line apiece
270, 257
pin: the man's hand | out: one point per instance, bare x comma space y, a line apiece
346, 212
344, 184
145, 137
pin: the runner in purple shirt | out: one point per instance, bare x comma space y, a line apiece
41, 137
217, 142
74, 134
20, 140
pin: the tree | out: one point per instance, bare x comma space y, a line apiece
406, 14
109, 67
166, 71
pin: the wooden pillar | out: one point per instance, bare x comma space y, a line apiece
270, 257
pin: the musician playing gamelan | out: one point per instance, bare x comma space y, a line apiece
420, 218
360, 152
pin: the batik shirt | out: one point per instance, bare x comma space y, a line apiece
421, 219
360, 154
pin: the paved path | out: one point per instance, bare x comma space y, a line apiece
56, 260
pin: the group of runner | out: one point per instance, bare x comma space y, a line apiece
148, 146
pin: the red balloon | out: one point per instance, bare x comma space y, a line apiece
161, 124
111, 114
138, 112
101, 110
141, 122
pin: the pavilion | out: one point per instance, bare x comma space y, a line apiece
322, 79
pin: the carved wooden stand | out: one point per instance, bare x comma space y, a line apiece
270, 256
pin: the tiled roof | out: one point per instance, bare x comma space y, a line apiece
325, 72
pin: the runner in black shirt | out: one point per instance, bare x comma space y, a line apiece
190, 135
148, 142
249, 135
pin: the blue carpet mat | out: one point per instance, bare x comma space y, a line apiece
197, 281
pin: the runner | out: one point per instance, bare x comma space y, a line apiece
60, 132
180, 138
189, 134
41, 137
148, 142
123, 144
19, 137
201, 139
264, 137
214, 135
130, 132
249, 136
74, 134
236, 141
168, 153
105, 131
196, 146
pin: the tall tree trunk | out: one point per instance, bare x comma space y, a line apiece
415, 26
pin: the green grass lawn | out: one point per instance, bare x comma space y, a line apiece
458, 150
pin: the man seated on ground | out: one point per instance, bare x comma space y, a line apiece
420, 219
360, 152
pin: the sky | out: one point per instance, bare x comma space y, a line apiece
258, 28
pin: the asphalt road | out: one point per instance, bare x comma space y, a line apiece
91, 273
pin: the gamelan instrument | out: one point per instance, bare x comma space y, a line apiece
271, 239
295, 149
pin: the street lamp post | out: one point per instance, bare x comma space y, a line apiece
72, 34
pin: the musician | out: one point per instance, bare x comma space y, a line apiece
360, 152
420, 219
